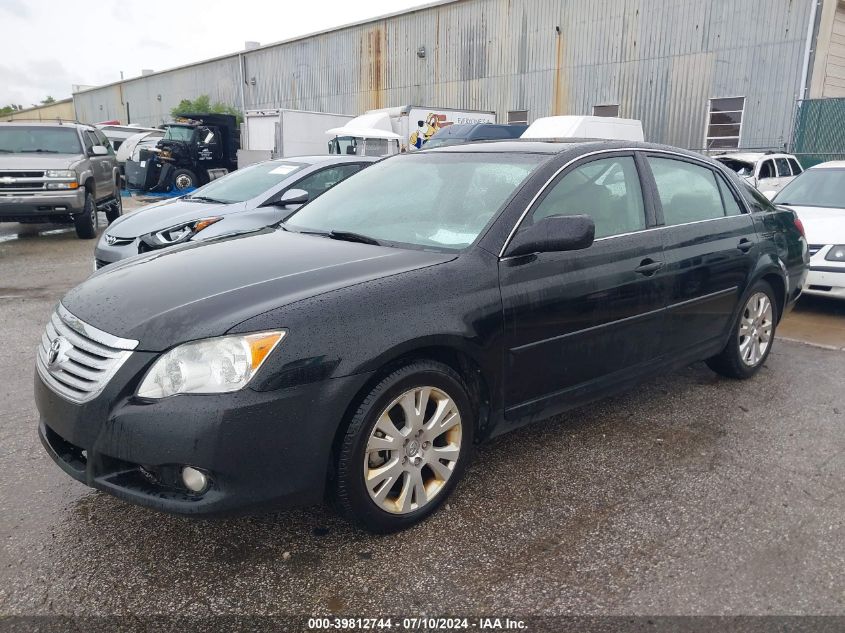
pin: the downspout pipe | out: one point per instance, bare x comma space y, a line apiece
808, 49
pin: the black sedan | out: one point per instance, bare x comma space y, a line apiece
248, 199
435, 300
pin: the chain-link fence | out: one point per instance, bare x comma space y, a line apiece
819, 133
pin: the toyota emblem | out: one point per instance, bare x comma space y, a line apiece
110, 239
55, 348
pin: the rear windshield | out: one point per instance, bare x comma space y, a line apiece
15, 139
741, 167
247, 183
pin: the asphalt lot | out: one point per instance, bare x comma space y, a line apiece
692, 494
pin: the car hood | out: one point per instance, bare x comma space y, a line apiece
162, 215
822, 225
204, 289
39, 161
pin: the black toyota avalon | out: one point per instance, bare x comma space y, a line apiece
360, 349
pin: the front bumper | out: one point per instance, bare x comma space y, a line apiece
826, 280
17, 206
105, 254
262, 450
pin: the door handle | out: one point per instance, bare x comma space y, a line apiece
745, 245
648, 267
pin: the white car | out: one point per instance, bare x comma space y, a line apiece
818, 197
768, 172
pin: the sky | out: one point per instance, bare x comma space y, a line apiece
46, 46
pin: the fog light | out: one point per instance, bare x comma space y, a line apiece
194, 480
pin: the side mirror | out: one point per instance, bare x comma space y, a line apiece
99, 150
553, 234
292, 197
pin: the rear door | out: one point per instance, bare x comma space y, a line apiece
102, 165
708, 242
579, 321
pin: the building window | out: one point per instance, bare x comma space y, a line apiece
724, 123
518, 117
606, 110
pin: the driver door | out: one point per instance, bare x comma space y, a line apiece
578, 322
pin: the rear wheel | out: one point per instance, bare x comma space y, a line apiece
86, 221
752, 336
115, 208
406, 448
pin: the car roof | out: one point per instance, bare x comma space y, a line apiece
53, 123
555, 146
831, 164
329, 158
752, 157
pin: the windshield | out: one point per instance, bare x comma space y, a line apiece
815, 188
445, 141
178, 133
741, 167
246, 183
427, 200
53, 140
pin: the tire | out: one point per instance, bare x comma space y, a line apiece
183, 179
752, 335
115, 208
86, 221
406, 487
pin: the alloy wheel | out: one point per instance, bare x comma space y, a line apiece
412, 450
755, 329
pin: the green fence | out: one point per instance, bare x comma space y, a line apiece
819, 134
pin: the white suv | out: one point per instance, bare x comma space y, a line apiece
768, 172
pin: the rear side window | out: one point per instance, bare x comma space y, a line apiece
796, 168
731, 205
608, 190
767, 170
783, 168
688, 193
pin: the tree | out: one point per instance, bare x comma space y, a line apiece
8, 109
203, 105
48, 100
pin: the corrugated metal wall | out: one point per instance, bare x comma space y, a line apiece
661, 60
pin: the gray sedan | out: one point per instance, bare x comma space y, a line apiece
245, 200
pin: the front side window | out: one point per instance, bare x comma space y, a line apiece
767, 170
247, 183
608, 190
724, 123
22, 139
687, 192
178, 133
783, 168
429, 200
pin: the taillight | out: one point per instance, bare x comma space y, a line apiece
800, 226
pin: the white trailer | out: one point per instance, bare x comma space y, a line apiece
400, 129
277, 133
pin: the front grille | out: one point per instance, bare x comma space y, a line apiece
815, 248
99, 263
77, 360
21, 174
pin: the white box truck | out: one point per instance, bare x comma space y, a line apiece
399, 129
276, 133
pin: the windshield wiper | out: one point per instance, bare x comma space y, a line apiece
348, 236
39, 151
206, 199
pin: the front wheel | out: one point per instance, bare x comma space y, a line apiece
406, 447
752, 336
115, 208
184, 179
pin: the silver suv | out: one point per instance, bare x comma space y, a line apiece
57, 171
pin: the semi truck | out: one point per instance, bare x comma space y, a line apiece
399, 129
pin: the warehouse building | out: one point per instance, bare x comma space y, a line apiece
698, 73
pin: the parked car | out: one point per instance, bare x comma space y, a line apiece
462, 133
247, 199
768, 172
58, 172
818, 197
118, 134
435, 300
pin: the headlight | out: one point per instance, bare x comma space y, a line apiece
60, 173
62, 185
178, 234
836, 253
214, 365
